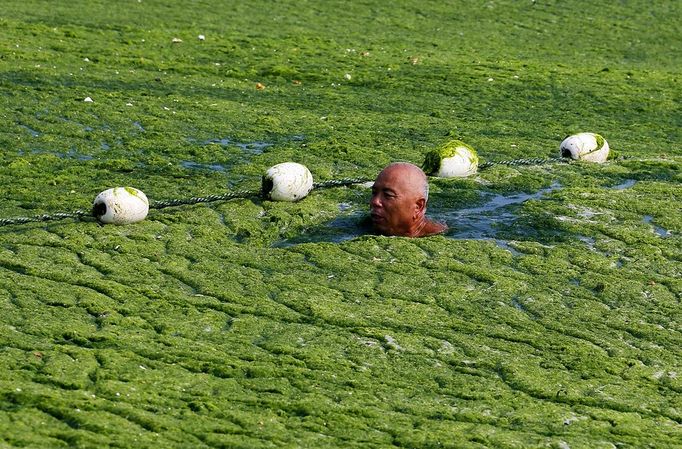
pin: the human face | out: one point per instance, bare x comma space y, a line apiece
394, 207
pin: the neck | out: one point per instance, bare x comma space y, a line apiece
417, 227
423, 227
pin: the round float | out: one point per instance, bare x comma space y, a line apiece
588, 147
288, 181
454, 159
120, 205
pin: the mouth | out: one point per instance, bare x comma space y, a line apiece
379, 223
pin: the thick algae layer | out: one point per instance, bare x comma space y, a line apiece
198, 328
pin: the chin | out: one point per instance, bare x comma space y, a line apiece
381, 229
378, 229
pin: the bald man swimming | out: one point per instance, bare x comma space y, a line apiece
398, 204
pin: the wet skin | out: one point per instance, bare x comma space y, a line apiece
398, 204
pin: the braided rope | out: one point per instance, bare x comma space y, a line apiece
45, 217
340, 182
530, 161
204, 199
547, 160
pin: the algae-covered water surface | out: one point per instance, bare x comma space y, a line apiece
547, 316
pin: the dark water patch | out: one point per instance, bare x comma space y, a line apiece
253, 148
351, 224
222, 142
105, 146
519, 305
341, 229
197, 166
233, 154
504, 244
70, 154
232, 181
588, 241
83, 126
625, 184
482, 222
97, 126
662, 232
30, 130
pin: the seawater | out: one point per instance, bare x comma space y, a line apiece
481, 222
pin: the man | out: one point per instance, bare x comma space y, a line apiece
398, 204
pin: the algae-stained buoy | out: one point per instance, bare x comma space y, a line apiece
454, 159
588, 147
288, 181
120, 205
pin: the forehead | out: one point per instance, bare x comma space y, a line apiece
398, 179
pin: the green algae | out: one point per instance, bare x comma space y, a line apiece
600, 141
132, 191
191, 329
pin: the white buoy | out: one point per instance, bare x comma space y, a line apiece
288, 181
585, 147
120, 205
454, 159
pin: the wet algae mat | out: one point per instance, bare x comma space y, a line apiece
549, 315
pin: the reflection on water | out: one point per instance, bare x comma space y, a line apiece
662, 232
479, 223
625, 184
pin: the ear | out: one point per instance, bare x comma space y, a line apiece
419, 207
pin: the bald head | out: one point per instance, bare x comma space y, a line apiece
410, 176
398, 203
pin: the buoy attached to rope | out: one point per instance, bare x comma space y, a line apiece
288, 181
454, 159
588, 147
120, 205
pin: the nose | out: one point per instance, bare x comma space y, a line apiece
375, 201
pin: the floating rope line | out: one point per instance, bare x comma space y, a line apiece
205, 199
79, 214
340, 182
530, 161
548, 160
249, 193
45, 217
